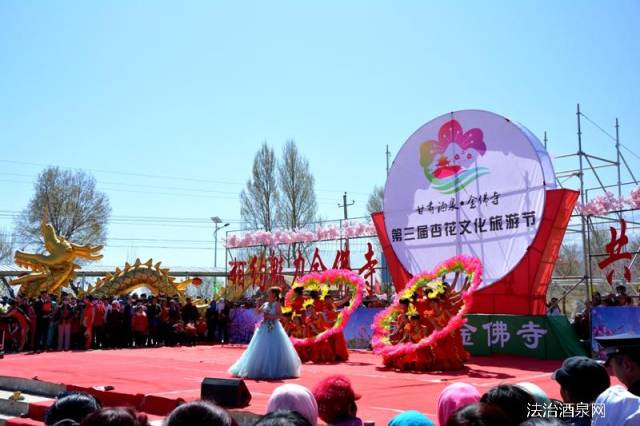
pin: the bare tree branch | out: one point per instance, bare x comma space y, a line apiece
259, 199
74, 207
7, 246
297, 205
376, 198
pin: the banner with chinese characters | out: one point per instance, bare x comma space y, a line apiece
468, 182
533, 336
262, 271
547, 337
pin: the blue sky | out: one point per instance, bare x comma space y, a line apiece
166, 103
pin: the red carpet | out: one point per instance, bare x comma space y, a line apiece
149, 377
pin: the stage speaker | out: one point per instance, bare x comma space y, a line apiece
230, 393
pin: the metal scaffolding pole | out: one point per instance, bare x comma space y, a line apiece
618, 157
583, 201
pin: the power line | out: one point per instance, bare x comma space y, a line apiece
600, 128
630, 151
151, 176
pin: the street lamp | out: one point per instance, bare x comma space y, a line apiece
217, 221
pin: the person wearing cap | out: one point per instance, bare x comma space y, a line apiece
581, 380
623, 356
621, 408
337, 401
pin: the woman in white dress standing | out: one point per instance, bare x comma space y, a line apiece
270, 354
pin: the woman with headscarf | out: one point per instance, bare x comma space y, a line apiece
294, 398
454, 397
411, 418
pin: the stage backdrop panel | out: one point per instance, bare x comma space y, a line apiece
535, 336
546, 337
357, 333
610, 320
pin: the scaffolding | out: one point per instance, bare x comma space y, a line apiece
586, 226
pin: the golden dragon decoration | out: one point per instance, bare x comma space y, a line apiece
53, 270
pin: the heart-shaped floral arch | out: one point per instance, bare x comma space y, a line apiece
321, 281
383, 321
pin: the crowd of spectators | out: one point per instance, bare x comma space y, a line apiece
582, 319
333, 401
66, 322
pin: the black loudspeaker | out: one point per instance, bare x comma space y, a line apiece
230, 393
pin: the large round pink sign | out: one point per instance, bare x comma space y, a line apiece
468, 182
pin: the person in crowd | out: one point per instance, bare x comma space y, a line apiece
117, 416
535, 391
283, 418
199, 413
623, 357
223, 308
553, 308
73, 406
140, 327
337, 401
63, 316
297, 398
99, 321
165, 320
190, 312
202, 329
610, 300
621, 408
512, 400
581, 380
153, 315
596, 299
115, 323
176, 335
26, 306
52, 331
44, 311
411, 418
622, 298
212, 321
88, 319
455, 396
480, 414
77, 335
190, 334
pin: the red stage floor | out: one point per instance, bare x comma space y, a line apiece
177, 373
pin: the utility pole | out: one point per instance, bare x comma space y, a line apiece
344, 205
545, 139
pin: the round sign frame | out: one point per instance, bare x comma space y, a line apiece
457, 183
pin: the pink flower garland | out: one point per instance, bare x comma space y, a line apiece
382, 321
321, 233
608, 202
331, 276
